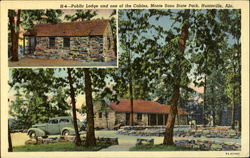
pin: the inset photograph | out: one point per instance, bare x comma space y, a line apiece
62, 38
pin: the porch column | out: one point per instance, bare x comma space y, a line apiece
23, 45
148, 119
29, 40
164, 119
156, 115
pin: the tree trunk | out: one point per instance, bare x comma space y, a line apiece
239, 93
168, 137
213, 103
15, 34
239, 128
90, 136
131, 118
14, 51
233, 111
73, 101
205, 101
10, 149
233, 101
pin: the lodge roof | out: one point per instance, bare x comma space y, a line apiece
78, 28
143, 106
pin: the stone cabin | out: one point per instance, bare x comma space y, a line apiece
81, 40
145, 113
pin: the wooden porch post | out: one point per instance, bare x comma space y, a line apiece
29, 40
156, 115
148, 119
23, 45
164, 119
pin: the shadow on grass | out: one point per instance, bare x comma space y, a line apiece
61, 146
162, 148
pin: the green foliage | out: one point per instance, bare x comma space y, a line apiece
81, 15
32, 17
33, 91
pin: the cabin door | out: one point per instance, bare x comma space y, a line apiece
152, 119
160, 119
127, 118
31, 44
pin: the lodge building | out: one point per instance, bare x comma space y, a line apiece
145, 113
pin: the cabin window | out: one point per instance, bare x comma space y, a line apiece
139, 117
52, 42
66, 42
100, 114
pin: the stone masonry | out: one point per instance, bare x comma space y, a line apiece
85, 48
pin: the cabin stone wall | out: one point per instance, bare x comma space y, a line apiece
88, 48
81, 48
103, 121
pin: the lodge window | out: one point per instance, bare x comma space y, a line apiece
100, 114
52, 42
66, 42
139, 117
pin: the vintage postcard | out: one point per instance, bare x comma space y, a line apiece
181, 88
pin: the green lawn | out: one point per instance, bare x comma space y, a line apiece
61, 146
161, 148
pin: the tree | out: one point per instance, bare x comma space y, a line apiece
232, 60
130, 73
81, 15
216, 95
73, 101
113, 27
90, 135
10, 149
29, 18
32, 89
14, 22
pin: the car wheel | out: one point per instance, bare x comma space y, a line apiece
32, 134
65, 133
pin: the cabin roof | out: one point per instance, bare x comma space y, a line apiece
78, 28
143, 106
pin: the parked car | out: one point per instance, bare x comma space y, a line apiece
58, 125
